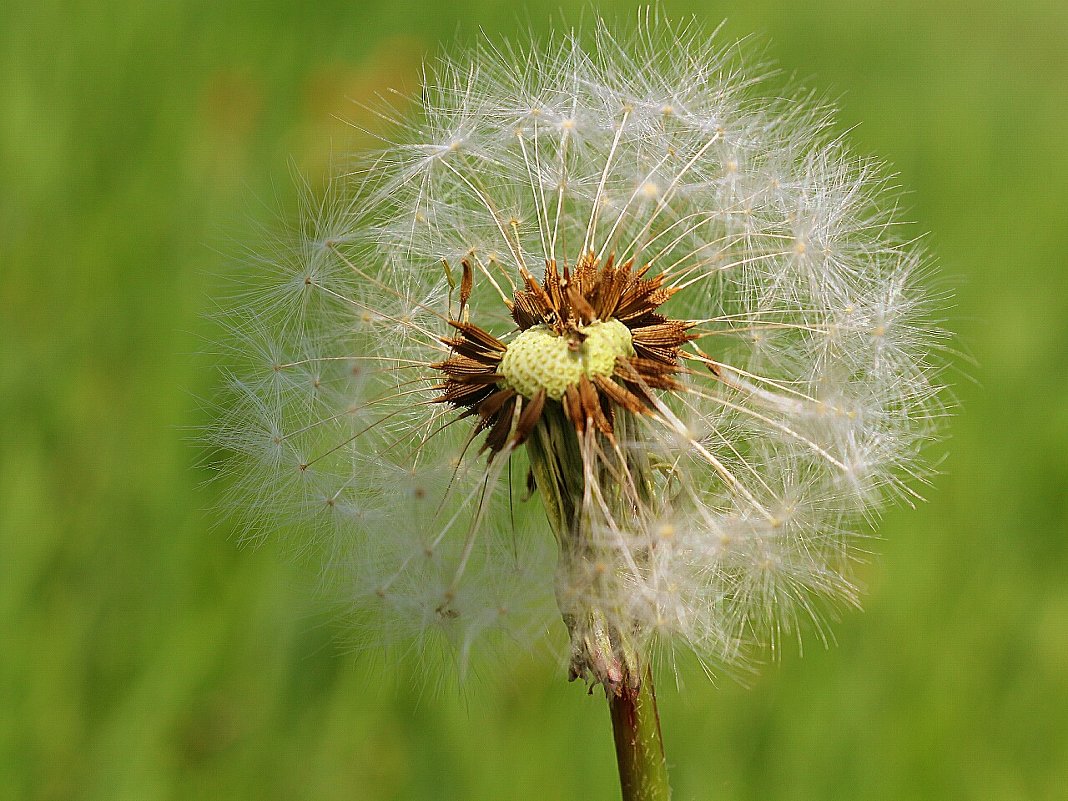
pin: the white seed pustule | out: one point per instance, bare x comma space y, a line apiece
539, 358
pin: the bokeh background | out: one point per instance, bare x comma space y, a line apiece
144, 655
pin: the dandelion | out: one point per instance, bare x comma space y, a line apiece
610, 276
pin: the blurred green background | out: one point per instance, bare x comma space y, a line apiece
144, 655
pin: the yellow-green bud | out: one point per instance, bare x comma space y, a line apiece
539, 358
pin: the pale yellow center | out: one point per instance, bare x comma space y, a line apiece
539, 358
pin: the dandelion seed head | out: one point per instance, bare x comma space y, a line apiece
612, 281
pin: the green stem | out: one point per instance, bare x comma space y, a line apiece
601, 651
639, 744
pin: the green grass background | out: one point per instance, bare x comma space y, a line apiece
144, 655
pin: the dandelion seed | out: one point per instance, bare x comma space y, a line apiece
679, 309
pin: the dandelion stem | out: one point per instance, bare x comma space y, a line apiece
639, 744
601, 648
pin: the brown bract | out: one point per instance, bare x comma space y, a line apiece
566, 303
